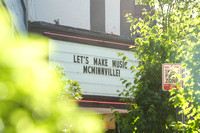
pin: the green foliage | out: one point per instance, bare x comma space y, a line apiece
187, 97
68, 88
28, 90
174, 39
127, 123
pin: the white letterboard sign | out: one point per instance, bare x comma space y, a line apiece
97, 69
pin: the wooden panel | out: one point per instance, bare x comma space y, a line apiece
112, 16
97, 15
74, 13
107, 120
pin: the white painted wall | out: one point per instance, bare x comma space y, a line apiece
112, 16
61, 53
74, 13
17, 16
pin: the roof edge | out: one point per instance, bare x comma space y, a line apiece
66, 33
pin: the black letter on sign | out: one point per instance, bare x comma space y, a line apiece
84, 69
74, 59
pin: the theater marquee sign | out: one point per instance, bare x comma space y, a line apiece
97, 69
100, 65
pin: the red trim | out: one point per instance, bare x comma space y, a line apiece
88, 39
87, 101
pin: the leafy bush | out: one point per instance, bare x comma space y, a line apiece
28, 91
68, 88
174, 39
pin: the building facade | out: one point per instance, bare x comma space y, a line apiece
17, 15
85, 38
105, 16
